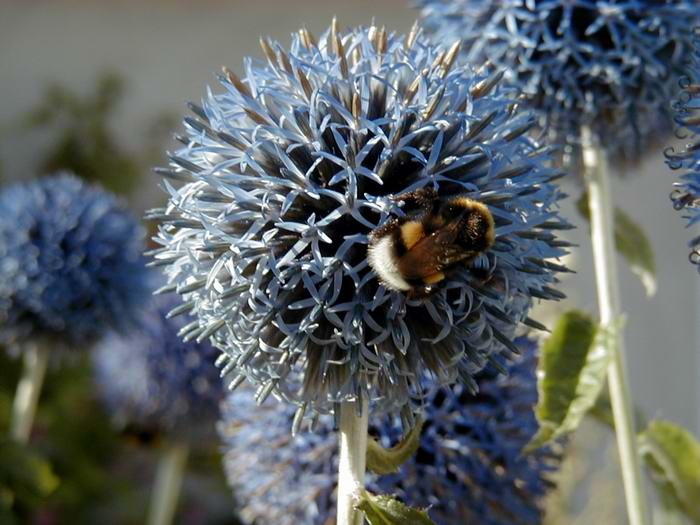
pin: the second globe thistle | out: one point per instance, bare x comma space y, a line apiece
283, 177
686, 195
609, 65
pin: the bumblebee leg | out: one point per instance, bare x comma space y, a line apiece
420, 292
434, 278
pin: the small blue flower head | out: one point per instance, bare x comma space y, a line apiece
285, 174
470, 467
686, 195
71, 262
612, 65
151, 380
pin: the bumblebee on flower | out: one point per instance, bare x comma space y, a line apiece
282, 202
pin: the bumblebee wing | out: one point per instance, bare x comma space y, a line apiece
431, 255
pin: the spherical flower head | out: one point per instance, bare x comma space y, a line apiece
288, 172
470, 467
71, 262
152, 380
686, 194
277, 478
611, 65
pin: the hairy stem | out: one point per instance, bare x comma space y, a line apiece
602, 232
166, 490
353, 452
36, 357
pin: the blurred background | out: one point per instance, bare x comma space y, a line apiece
100, 86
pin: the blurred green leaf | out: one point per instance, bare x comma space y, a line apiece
571, 375
632, 243
25, 476
382, 460
385, 510
84, 141
673, 456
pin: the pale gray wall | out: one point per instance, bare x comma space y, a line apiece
169, 52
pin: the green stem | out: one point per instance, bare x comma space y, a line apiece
352, 463
166, 490
598, 184
35, 357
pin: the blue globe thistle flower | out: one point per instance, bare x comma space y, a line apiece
153, 381
686, 194
469, 468
277, 478
612, 65
285, 174
71, 262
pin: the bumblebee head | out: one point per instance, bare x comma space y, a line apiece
477, 227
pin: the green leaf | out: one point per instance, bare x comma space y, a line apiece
383, 461
632, 243
385, 510
24, 474
673, 457
571, 375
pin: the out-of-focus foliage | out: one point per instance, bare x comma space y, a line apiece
83, 140
102, 476
25, 478
632, 243
673, 457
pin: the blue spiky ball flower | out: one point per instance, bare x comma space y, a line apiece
612, 65
686, 193
71, 262
277, 478
284, 175
470, 467
151, 380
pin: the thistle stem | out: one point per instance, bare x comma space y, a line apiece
35, 357
166, 490
351, 470
601, 210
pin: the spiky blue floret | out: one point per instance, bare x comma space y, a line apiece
152, 380
71, 262
286, 172
612, 65
470, 467
686, 195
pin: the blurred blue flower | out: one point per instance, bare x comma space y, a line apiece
277, 478
152, 380
612, 65
284, 175
686, 194
470, 467
71, 262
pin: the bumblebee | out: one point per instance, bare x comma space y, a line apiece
412, 254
